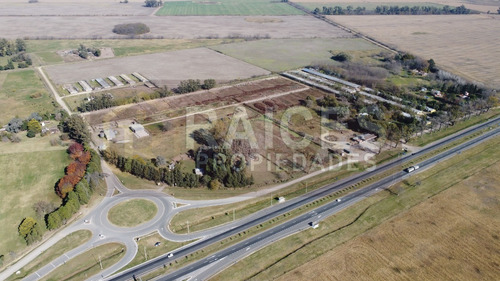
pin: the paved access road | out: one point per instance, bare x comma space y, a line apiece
301, 222
104, 232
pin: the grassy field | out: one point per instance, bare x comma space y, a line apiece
285, 54
451, 41
66, 244
29, 172
46, 49
227, 8
378, 212
428, 138
131, 181
132, 212
22, 92
460, 244
147, 249
87, 264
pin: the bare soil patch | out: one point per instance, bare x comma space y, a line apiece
168, 68
170, 107
73, 8
185, 27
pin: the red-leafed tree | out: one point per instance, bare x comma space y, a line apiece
75, 150
84, 158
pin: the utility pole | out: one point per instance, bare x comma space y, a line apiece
233, 215
271, 199
145, 253
100, 262
187, 222
306, 187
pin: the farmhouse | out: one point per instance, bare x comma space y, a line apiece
138, 130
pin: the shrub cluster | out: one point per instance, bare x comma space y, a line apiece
131, 28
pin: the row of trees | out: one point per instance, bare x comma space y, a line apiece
152, 170
9, 48
83, 51
107, 101
81, 193
97, 103
222, 168
393, 10
191, 85
82, 176
74, 171
153, 3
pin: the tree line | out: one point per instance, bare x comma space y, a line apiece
81, 177
87, 178
222, 168
153, 3
151, 170
191, 85
16, 49
393, 10
107, 101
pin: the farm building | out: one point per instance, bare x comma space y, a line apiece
103, 83
70, 89
115, 80
86, 87
140, 77
108, 134
138, 130
126, 78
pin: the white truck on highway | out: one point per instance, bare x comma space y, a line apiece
412, 168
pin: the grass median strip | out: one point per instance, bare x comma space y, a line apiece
204, 218
152, 246
66, 244
89, 263
287, 254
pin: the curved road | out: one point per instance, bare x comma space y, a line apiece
105, 232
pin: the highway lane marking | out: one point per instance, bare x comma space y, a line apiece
38, 274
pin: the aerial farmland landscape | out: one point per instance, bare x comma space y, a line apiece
249, 140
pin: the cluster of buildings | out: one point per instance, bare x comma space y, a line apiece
107, 83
